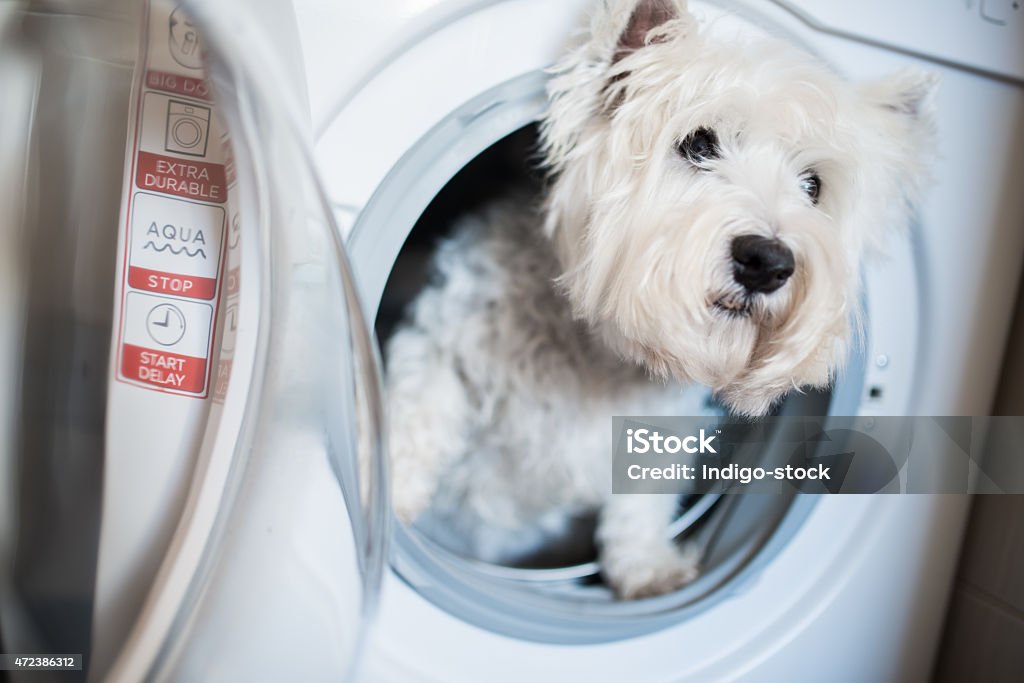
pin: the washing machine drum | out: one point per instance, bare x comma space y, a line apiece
553, 591
191, 381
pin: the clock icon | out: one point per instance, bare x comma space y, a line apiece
166, 324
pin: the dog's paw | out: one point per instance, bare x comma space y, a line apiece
647, 575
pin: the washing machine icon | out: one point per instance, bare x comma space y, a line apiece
188, 128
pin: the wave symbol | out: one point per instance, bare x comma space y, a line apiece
176, 251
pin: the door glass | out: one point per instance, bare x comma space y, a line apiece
193, 427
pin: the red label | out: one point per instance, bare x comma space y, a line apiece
181, 85
191, 286
163, 369
182, 177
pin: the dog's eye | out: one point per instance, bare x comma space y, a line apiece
810, 183
699, 146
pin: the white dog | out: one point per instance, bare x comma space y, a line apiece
709, 206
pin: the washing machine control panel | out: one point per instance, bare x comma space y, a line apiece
987, 35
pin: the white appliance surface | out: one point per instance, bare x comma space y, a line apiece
859, 592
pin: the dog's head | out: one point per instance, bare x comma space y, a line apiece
712, 199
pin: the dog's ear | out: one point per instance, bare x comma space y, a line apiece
646, 16
902, 109
909, 92
898, 114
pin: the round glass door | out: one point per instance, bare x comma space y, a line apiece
191, 444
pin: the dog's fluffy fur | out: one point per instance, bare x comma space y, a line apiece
616, 288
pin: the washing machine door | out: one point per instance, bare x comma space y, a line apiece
191, 432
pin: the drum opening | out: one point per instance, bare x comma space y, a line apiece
555, 593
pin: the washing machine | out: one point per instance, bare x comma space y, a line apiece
238, 526
843, 588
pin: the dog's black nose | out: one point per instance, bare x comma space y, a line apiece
761, 264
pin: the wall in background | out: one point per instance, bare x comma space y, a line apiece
984, 637
1010, 399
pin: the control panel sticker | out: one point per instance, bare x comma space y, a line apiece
175, 246
175, 227
180, 149
181, 177
178, 84
167, 342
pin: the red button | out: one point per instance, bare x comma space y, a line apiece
192, 286
181, 177
164, 369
